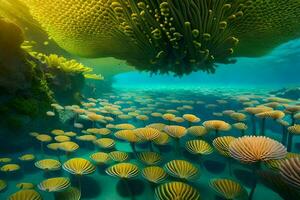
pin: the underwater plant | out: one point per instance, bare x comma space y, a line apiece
290, 171
149, 158
165, 36
176, 190
129, 136
197, 131
56, 184
199, 148
292, 131
242, 127
182, 169
154, 174
124, 171
100, 158
118, 156
48, 165
273, 114
217, 126
3, 185
71, 193
147, 135
25, 186
25, 194
275, 182
254, 150
68, 147
79, 167
228, 189
176, 132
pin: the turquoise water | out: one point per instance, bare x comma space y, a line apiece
99, 185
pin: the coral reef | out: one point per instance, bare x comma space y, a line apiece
168, 36
31, 81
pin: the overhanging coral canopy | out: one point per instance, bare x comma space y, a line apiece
169, 35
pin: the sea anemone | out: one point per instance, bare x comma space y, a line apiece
272, 114
168, 117
27, 157
197, 131
147, 135
62, 138
191, 118
48, 164
43, 138
238, 116
222, 144
254, 149
99, 131
163, 139
79, 167
228, 189
3, 185
105, 143
242, 127
118, 156
10, 168
123, 170
71, 193
182, 169
290, 171
129, 136
154, 174
56, 184
217, 126
176, 190
25, 195
25, 186
68, 147
100, 158
176, 132
149, 158
198, 147
292, 130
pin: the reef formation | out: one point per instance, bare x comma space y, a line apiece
168, 35
30, 82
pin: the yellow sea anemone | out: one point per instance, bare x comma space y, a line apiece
3, 185
182, 169
79, 166
123, 170
290, 171
25, 195
10, 168
217, 126
197, 131
100, 158
118, 156
154, 174
48, 164
27, 157
198, 147
54, 184
176, 190
68, 146
105, 143
149, 158
71, 193
228, 189
25, 186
